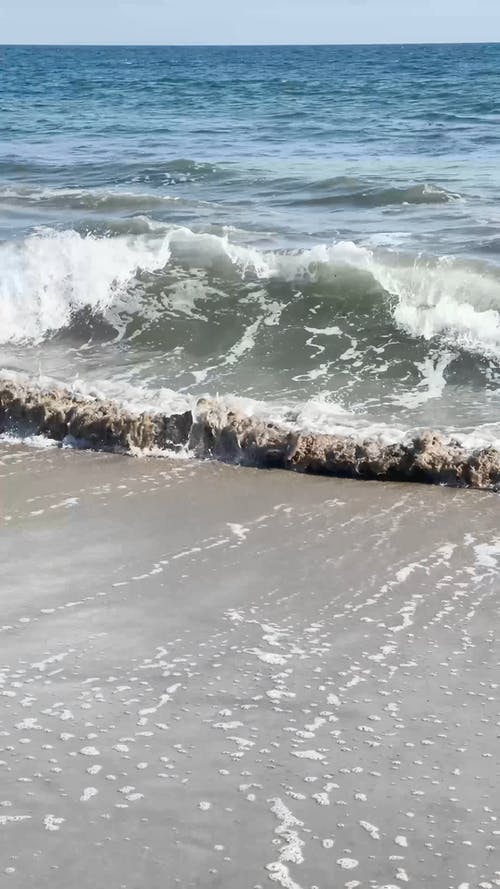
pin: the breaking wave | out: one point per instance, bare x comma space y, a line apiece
213, 430
51, 275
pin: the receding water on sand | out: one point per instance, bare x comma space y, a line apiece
218, 676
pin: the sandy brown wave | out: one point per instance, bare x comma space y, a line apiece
215, 431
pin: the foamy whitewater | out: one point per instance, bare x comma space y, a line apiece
307, 235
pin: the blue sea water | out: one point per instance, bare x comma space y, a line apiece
313, 232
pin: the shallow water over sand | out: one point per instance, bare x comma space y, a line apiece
221, 677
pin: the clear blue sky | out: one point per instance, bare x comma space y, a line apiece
248, 21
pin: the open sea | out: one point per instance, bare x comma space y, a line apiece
312, 233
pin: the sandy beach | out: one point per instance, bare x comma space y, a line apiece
220, 677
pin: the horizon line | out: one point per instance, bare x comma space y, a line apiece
257, 45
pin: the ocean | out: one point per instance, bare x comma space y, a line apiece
310, 233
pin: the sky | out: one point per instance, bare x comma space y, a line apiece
248, 21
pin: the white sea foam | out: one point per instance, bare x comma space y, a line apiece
49, 275
291, 846
462, 306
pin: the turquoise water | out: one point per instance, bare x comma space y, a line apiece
314, 230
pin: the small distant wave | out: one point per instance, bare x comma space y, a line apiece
49, 276
171, 172
177, 171
97, 200
212, 430
349, 193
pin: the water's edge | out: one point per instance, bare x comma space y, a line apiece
215, 431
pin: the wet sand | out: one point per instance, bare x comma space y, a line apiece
222, 677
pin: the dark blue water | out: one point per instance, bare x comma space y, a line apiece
313, 229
